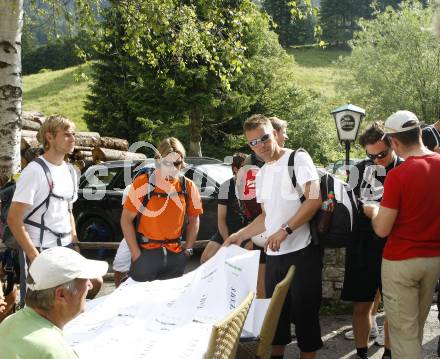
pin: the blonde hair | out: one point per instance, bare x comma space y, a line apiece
52, 125
256, 121
170, 145
278, 124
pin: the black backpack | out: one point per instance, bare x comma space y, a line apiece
6, 195
149, 171
344, 216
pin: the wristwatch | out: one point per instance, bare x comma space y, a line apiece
189, 251
287, 229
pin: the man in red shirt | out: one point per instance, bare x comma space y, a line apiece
409, 215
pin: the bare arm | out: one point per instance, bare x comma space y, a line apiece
304, 214
222, 210
2, 299
74, 235
309, 207
15, 223
382, 218
192, 229
129, 232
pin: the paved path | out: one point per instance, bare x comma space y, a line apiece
337, 347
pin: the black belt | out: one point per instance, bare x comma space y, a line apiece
162, 242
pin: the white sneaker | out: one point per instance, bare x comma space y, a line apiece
373, 333
349, 335
380, 339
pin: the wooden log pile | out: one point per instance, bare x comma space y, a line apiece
90, 147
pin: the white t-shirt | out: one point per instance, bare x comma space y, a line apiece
33, 188
281, 201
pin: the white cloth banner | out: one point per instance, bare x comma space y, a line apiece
170, 318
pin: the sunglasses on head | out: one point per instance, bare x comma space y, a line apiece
379, 155
257, 141
169, 163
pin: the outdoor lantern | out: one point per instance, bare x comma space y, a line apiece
348, 120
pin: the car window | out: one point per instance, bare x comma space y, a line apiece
217, 173
98, 177
198, 177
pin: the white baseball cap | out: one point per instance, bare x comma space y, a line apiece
59, 265
401, 121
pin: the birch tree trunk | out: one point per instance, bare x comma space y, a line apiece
11, 24
195, 148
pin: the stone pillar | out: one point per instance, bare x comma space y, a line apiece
333, 273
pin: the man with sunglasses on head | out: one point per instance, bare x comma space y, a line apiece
285, 219
363, 257
409, 215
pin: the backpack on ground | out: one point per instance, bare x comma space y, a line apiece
342, 220
6, 195
149, 171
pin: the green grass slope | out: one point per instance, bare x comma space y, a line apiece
58, 92
64, 91
318, 70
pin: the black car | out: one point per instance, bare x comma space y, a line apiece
98, 209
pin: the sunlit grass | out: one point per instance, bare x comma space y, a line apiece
63, 91
318, 70
58, 92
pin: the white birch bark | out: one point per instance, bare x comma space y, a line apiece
11, 23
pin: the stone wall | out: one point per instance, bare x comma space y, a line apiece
333, 273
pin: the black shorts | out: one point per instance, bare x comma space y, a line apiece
304, 298
217, 238
157, 263
262, 253
363, 262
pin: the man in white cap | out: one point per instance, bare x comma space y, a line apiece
409, 215
58, 282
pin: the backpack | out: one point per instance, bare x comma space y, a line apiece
343, 218
6, 195
149, 171
248, 201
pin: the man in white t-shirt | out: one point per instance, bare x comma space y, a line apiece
286, 221
40, 218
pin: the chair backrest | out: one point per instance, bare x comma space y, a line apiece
226, 333
272, 316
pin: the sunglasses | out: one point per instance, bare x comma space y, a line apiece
169, 163
379, 155
257, 141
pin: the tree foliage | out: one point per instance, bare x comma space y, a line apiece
295, 23
339, 18
395, 64
217, 62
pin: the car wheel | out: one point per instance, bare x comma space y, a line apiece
96, 229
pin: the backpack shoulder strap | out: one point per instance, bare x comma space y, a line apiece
436, 135
291, 169
73, 178
151, 181
184, 190
49, 179
47, 173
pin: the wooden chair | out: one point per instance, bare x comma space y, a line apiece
261, 347
226, 333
